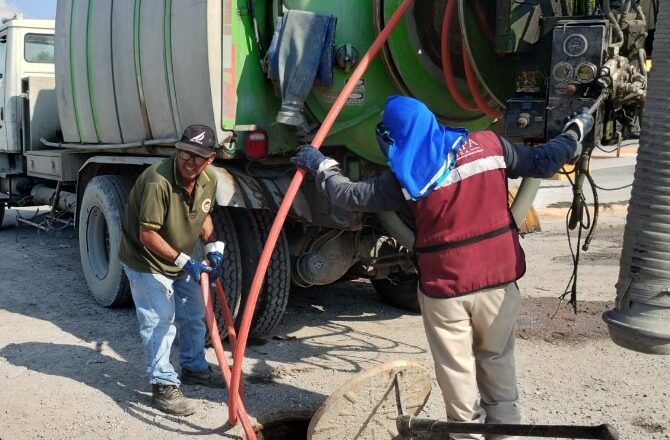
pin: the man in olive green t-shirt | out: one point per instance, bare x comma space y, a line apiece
168, 210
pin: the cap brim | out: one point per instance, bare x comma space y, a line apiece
200, 151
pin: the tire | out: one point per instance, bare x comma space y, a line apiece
399, 290
253, 227
232, 269
2, 213
100, 219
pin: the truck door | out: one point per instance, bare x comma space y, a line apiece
3, 60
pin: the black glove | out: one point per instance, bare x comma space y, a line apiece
312, 159
581, 125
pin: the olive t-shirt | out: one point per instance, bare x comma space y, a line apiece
160, 202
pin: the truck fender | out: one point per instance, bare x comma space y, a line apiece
238, 189
112, 165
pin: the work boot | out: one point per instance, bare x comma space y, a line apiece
208, 378
169, 399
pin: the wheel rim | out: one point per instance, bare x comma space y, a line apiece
97, 241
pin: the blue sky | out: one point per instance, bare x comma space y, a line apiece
29, 8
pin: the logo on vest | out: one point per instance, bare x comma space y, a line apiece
199, 138
469, 148
206, 205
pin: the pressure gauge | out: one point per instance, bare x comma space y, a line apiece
575, 45
562, 72
586, 72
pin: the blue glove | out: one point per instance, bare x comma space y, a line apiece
191, 266
581, 125
312, 159
215, 256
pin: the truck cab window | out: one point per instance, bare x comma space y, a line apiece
39, 48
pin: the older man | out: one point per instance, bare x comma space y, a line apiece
168, 210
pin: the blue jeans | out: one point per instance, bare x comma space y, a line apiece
162, 302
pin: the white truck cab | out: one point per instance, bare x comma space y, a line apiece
26, 50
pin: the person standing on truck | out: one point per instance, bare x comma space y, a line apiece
453, 186
168, 210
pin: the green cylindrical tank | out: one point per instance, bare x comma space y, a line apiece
130, 70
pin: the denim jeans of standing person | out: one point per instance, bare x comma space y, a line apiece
164, 307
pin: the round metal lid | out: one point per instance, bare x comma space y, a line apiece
366, 406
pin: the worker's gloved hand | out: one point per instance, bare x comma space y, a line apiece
312, 159
581, 125
192, 267
215, 257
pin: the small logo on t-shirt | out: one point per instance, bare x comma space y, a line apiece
206, 205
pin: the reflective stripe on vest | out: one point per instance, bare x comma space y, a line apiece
468, 170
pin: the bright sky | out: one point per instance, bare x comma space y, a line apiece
30, 8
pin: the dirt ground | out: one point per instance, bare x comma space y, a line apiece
70, 369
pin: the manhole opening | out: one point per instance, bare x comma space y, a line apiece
284, 426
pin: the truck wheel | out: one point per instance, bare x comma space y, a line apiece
253, 227
232, 271
399, 290
2, 213
100, 219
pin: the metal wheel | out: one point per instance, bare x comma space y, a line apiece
399, 290
101, 215
253, 227
232, 273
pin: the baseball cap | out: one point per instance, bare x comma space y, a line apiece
198, 139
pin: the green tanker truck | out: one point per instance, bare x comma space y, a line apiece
120, 80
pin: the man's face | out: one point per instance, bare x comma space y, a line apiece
190, 165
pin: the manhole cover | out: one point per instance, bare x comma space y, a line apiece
366, 406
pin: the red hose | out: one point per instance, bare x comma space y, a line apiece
448, 71
213, 328
474, 87
268, 248
483, 22
447, 68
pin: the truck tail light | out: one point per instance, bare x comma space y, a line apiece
257, 144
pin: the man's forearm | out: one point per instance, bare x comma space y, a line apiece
208, 233
374, 195
543, 161
157, 244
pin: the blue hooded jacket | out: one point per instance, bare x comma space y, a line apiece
424, 151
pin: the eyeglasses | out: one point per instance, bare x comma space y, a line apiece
384, 134
185, 155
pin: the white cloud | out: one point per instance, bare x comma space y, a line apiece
7, 10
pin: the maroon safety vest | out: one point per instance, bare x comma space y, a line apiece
466, 238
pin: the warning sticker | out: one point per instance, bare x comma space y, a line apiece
357, 97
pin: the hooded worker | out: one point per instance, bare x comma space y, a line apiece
453, 185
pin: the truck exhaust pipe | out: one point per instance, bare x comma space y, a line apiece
43, 194
640, 320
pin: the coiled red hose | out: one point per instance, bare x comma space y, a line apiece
447, 68
470, 76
